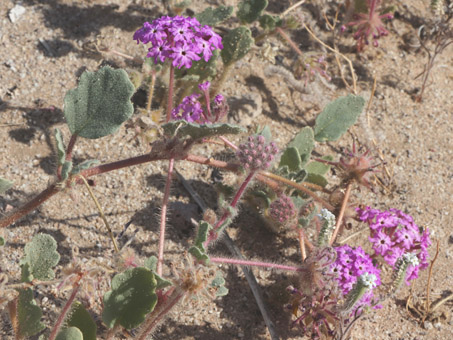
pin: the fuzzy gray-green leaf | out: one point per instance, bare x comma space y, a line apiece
269, 22
212, 16
66, 170
100, 103
291, 159
40, 257
84, 165
28, 314
316, 179
131, 298
80, 318
250, 10
304, 142
337, 117
236, 44
71, 333
218, 283
61, 150
151, 264
5, 185
182, 129
319, 167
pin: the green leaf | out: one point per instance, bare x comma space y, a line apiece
61, 150
81, 319
236, 44
304, 142
269, 22
250, 10
65, 170
4, 185
299, 176
291, 159
28, 314
84, 165
265, 132
100, 104
199, 254
40, 257
131, 298
200, 70
319, 167
181, 128
202, 234
151, 264
316, 179
2, 241
337, 117
213, 16
71, 333
218, 283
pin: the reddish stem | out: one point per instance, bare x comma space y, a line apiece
288, 39
70, 147
163, 217
29, 206
65, 310
213, 162
214, 233
163, 307
254, 263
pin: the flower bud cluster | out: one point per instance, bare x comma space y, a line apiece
256, 153
282, 209
350, 264
191, 110
180, 39
394, 234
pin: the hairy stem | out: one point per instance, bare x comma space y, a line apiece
214, 233
163, 217
29, 206
254, 264
151, 91
163, 307
65, 311
170, 93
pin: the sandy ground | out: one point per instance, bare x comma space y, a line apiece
47, 48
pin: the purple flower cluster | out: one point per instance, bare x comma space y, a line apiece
282, 209
191, 110
349, 265
256, 154
180, 39
393, 234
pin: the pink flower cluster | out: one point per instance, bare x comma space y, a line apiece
349, 265
256, 153
180, 39
191, 110
282, 209
393, 234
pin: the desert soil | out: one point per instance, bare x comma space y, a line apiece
43, 53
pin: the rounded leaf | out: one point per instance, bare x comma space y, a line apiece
236, 44
28, 314
337, 117
100, 104
131, 298
81, 319
40, 257
71, 333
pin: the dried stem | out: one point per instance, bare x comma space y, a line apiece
300, 186
65, 310
344, 204
254, 264
428, 285
303, 252
163, 217
351, 68
101, 213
